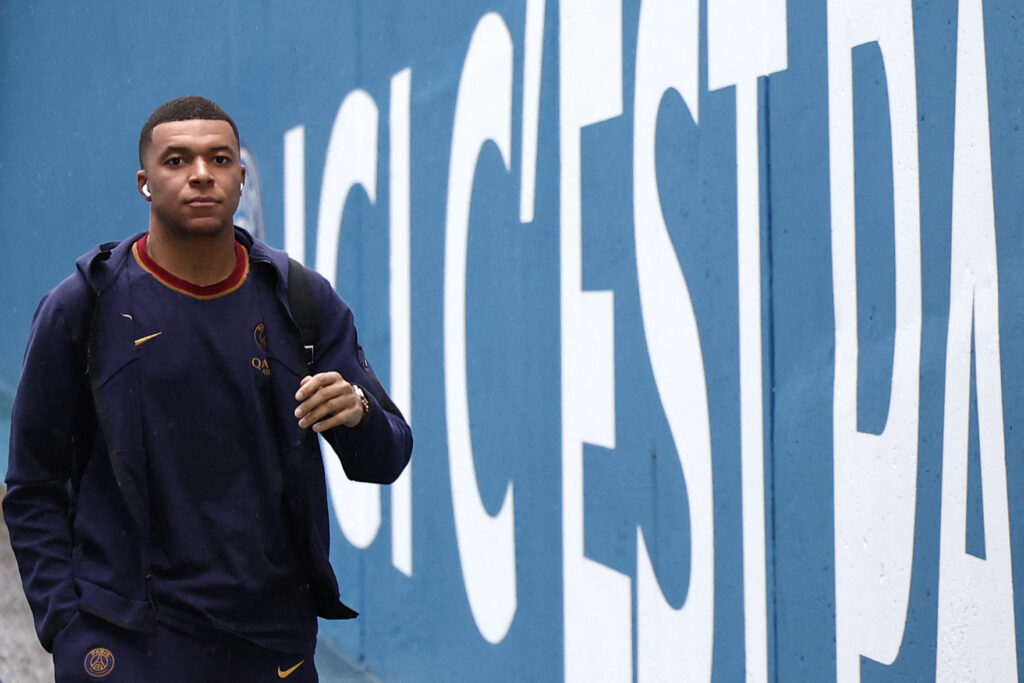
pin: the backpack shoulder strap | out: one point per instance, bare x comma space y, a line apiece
304, 311
307, 317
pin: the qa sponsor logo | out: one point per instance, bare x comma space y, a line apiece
259, 335
260, 364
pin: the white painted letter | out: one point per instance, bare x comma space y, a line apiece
533, 66
875, 476
401, 309
672, 645
351, 160
295, 193
597, 607
483, 111
747, 39
976, 630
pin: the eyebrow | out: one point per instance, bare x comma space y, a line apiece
181, 149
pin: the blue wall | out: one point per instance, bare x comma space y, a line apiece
707, 328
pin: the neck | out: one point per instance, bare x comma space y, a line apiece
200, 259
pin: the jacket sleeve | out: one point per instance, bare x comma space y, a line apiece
50, 407
379, 447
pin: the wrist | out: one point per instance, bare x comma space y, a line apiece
361, 395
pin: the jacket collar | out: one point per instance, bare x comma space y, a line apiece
100, 266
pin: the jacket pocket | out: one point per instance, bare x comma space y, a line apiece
134, 615
61, 636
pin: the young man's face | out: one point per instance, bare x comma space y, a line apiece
194, 175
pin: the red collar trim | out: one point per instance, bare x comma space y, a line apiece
165, 277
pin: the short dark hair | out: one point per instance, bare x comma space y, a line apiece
188, 108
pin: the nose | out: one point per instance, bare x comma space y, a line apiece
200, 172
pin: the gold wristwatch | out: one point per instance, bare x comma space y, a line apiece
362, 397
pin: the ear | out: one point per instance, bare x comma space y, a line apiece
243, 173
141, 179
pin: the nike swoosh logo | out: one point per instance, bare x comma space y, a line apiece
288, 672
142, 340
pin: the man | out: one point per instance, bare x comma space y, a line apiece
166, 497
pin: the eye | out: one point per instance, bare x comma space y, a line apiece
222, 160
173, 161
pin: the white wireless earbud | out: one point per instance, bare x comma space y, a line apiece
145, 191
241, 187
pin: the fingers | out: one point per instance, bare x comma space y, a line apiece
309, 385
345, 409
327, 401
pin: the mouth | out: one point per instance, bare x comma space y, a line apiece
203, 201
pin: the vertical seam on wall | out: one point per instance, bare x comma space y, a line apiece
768, 350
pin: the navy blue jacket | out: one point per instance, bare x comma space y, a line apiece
76, 504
